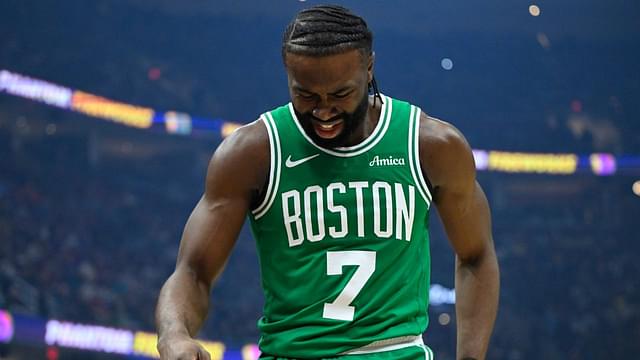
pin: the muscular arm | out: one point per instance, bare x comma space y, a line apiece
236, 173
447, 160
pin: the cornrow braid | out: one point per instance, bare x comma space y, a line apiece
328, 30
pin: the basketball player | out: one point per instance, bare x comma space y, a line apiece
338, 186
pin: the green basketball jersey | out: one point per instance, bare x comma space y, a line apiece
342, 237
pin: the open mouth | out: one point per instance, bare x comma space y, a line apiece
329, 129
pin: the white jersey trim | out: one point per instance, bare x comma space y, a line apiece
365, 145
414, 158
416, 145
428, 353
274, 168
387, 345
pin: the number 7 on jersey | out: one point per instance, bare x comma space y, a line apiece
340, 308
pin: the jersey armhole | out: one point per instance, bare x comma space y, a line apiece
424, 187
422, 171
274, 167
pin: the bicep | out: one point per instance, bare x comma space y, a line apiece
214, 224
461, 203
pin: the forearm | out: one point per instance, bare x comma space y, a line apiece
182, 306
477, 291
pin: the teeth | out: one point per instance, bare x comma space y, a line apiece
327, 127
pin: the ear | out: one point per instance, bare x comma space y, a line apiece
370, 62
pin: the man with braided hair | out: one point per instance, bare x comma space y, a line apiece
338, 185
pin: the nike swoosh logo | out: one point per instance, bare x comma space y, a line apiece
290, 163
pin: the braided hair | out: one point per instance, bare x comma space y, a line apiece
328, 30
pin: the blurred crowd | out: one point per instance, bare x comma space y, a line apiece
91, 214
570, 96
92, 242
568, 265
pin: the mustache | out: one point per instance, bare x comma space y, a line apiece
311, 117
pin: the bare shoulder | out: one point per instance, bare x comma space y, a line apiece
251, 138
445, 154
241, 160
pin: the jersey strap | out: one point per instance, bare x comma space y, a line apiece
274, 167
414, 154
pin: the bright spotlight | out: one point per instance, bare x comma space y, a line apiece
636, 187
447, 64
444, 319
534, 10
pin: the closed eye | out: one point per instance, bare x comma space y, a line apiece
305, 96
340, 96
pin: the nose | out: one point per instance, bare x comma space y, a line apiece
324, 112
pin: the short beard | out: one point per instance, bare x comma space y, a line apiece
351, 122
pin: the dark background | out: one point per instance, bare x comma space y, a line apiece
91, 212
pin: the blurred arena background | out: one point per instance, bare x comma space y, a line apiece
110, 110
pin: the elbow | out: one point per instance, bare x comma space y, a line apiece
187, 274
481, 257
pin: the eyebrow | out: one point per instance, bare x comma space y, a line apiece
300, 88
340, 90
